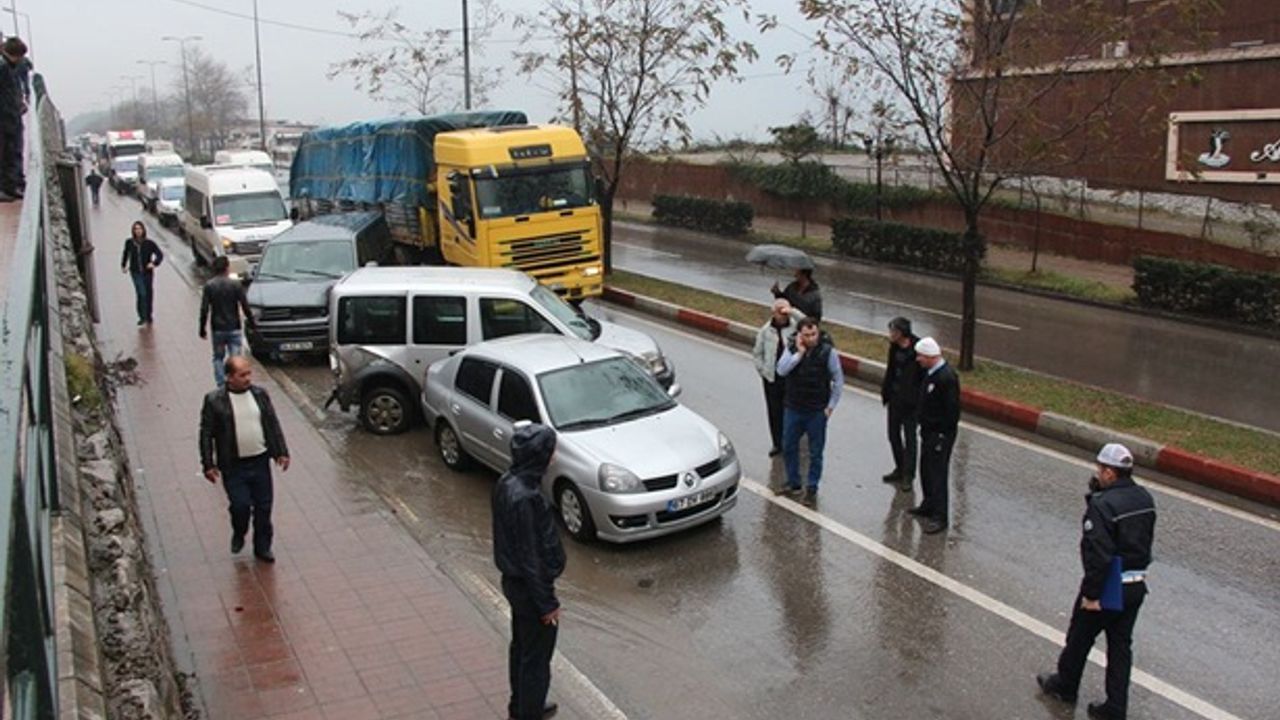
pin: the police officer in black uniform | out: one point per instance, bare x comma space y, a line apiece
939, 418
1119, 523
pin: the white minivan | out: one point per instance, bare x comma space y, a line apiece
245, 158
231, 210
152, 168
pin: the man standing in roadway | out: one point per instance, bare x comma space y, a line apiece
939, 418
814, 380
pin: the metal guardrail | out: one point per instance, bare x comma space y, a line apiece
28, 471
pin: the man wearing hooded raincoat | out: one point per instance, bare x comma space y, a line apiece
527, 551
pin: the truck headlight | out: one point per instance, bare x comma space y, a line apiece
727, 453
227, 243
592, 271
617, 479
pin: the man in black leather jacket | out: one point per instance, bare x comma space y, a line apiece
527, 551
239, 437
1115, 550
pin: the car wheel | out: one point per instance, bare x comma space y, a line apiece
574, 513
262, 353
450, 447
385, 411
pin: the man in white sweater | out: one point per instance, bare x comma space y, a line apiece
772, 338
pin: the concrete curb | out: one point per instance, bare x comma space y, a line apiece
1175, 461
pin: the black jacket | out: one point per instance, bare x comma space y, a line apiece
218, 429
808, 385
902, 375
1118, 520
12, 94
808, 301
526, 545
136, 256
225, 298
93, 180
939, 408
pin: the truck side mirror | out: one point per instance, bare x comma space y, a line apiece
204, 222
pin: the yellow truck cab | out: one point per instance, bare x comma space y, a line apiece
521, 197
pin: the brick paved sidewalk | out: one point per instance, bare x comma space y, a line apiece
354, 620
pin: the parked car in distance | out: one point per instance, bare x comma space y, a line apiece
152, 169
289, 291
169, 200
387, 325
630, 462
231, 210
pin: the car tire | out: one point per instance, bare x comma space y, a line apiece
574, 513
452, 454
384, 410
263, 354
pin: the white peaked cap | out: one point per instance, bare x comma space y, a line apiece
928, 347
1115, 455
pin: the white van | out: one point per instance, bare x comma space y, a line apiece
152, 168
169, 196
231, 210
245, 158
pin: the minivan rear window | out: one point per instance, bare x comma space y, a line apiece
371, 321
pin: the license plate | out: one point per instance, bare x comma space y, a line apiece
287, 347
689, 501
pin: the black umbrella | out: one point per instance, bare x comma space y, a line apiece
779, 257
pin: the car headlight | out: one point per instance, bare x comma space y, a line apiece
617, 479
654, 362
256, 312
727, 453
227, 243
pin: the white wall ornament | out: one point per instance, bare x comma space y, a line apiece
1209, 167
1270, 151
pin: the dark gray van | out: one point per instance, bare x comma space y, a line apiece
288, 293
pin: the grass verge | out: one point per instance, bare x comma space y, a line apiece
1221, 441
82, 381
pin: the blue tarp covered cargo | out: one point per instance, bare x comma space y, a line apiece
380, 161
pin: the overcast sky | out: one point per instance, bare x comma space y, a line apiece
84, 47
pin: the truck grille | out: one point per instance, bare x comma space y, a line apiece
546, 251
248, 247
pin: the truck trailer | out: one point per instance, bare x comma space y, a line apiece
477, 189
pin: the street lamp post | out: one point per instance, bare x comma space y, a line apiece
155, 94
133, 88
878, 147
186, 86
31, 43
257, 49
466, 57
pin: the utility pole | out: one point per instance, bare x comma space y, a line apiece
257, 49
133, 87
13, 8
155, 94
186, 87
466, 57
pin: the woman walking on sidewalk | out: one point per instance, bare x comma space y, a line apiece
140, 259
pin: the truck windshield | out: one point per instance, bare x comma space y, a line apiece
125, 149
172, 192
125, 164
309, 260
164, 171
525, 192
248, 208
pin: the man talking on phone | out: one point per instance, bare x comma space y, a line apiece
814, 381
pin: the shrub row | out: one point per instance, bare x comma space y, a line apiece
899, 244
1210, 290
725, 217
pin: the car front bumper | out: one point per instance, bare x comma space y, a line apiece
631, 517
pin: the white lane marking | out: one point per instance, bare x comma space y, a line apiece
982, 600
921, 308
1206, 503
648, 250
587, 697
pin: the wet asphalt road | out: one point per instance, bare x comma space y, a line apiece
775, 612
1175, 363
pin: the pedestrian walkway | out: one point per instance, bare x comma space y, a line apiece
353, 621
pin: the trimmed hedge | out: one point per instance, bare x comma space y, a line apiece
899, 244
717, 216
1210, 290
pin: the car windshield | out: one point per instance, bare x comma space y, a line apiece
248, 208
125, 164
601, 393
525, 192
164, 171
171, 192
308, 260
563, 312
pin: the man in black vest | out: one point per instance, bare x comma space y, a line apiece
899, 393
939, 417
814, 381
1115, 549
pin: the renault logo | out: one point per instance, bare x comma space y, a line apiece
690, 479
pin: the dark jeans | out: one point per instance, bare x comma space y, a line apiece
902, 439
143, 288
11, 175
529, 655
935, 465
1085, 627
795, 425
250, 492
773, 395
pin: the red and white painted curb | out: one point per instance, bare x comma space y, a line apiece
1175, 461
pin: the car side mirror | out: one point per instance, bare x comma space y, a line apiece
293, 214
204, 222
675, 390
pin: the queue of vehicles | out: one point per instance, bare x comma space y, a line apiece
471, 349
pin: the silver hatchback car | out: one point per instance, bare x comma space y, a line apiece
631, 463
